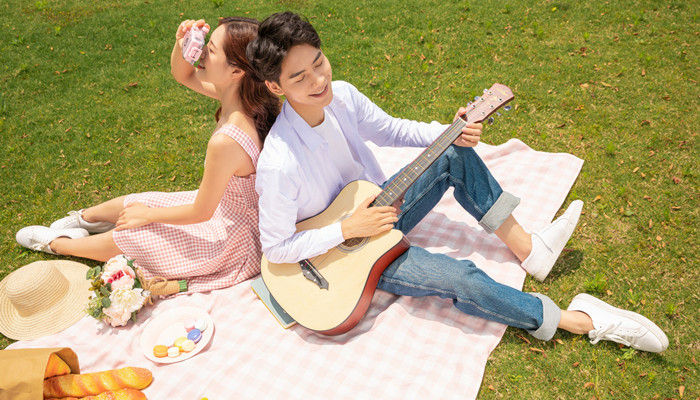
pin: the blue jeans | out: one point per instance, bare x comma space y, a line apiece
418, 272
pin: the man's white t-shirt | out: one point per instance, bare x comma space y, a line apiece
338, 148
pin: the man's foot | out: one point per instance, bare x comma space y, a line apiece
620, 326
38, 237
548, 242
75, 220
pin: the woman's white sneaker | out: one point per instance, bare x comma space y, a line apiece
620, 326
75, 220
38, 237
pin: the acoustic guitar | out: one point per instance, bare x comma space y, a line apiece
331, 292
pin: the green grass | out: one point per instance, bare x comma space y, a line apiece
88, 111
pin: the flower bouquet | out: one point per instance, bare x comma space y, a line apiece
117, 291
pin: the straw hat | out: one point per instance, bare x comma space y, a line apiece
43, 298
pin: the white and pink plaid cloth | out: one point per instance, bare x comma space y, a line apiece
404, 348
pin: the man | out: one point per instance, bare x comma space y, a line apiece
317, 146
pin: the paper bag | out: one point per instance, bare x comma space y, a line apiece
22, 371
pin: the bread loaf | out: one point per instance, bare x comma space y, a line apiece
123, 394
56, 366
81, 385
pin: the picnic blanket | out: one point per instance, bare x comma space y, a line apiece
404, 348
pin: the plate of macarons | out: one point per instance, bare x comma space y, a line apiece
176, 334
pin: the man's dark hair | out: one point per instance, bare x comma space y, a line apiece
276, 35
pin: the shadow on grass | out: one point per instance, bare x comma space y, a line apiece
569, 262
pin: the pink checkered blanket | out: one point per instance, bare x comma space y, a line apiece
404, 348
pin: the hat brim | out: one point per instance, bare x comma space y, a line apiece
62, 314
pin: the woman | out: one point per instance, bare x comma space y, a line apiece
208, 237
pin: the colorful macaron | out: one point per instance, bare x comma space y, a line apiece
173, 351
179, 341
189, 324
194, 335
187, 346
160, 351
201, 325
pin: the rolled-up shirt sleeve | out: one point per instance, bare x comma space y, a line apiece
281, 242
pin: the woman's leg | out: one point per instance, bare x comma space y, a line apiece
97, 219
105, 212
100, 247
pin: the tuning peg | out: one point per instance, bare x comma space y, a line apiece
490, 121
497, 113
486, 91
506, 108
477, 98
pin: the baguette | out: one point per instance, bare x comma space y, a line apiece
81, 385
123, 394
56, 366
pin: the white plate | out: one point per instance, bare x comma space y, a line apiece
167, 326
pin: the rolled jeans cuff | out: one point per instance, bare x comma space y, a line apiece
551, 315
499, 212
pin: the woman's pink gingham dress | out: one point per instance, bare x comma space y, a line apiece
210, 255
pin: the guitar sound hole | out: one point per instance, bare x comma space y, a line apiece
353, 244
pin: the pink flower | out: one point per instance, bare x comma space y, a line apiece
118, 273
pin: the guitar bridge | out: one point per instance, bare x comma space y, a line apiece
311, 273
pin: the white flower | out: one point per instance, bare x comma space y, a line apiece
124, 302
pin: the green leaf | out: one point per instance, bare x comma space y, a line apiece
137, 283
106, 302
90, 274
104, 291
628, 353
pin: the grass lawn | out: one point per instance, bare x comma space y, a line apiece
89, 111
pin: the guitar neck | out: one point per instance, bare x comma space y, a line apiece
396, 188
493, 99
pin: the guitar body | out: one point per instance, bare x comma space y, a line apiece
352, 270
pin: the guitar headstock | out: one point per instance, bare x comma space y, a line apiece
483, 106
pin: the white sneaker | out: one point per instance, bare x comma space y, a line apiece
548, 242
75, 220
620, 326
38, 237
